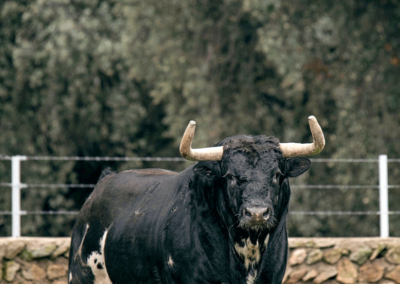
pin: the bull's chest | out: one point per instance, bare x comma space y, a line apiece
250, 254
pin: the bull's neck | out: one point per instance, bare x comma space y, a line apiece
211, 216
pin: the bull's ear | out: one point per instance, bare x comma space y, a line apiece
296, 166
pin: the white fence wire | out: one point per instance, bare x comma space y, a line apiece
16, 187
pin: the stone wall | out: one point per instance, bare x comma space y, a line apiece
312, 260
34, 260
343, 260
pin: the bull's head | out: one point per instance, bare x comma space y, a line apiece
255, 171
244, 181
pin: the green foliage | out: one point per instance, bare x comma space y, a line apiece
123, 78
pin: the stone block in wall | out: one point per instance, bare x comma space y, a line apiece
393, 255
61, 249
394, 274
287, 273
353, 244
325, 243
34, 272
344, 251
297, 256
370, 273
331, 281
295, 276
13, 248
301, 244
381, 261
60, 282
2, 252
377, 251
314, 256
36, 249
311, 243
347, 271
56, 271
310, 275
332, 256
11, 268
328, 273
361, 255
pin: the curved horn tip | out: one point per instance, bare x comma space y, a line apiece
290, 150
192, 124
203, 154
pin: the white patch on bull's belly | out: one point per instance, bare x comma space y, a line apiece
97, 263
70, 277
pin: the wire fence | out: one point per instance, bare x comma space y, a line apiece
100, 159
16, 186
169, 159
90, 185
327, 213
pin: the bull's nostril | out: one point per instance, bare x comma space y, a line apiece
266, 213
247, 213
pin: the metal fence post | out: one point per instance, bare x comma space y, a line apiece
16, 194
383, 196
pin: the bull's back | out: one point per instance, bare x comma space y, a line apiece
118, 194
118, 206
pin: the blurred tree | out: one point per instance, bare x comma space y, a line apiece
66, 90
123, 78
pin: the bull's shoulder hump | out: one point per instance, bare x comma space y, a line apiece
117, 192
134, 182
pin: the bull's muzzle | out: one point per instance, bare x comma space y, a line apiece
257, 215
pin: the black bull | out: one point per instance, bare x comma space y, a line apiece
215, 222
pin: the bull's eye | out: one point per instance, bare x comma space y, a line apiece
231, 179
235, 180
276, 177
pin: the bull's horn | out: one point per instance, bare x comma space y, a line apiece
290, 150
203, 154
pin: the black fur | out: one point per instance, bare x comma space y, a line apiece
107, 171
166, 227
